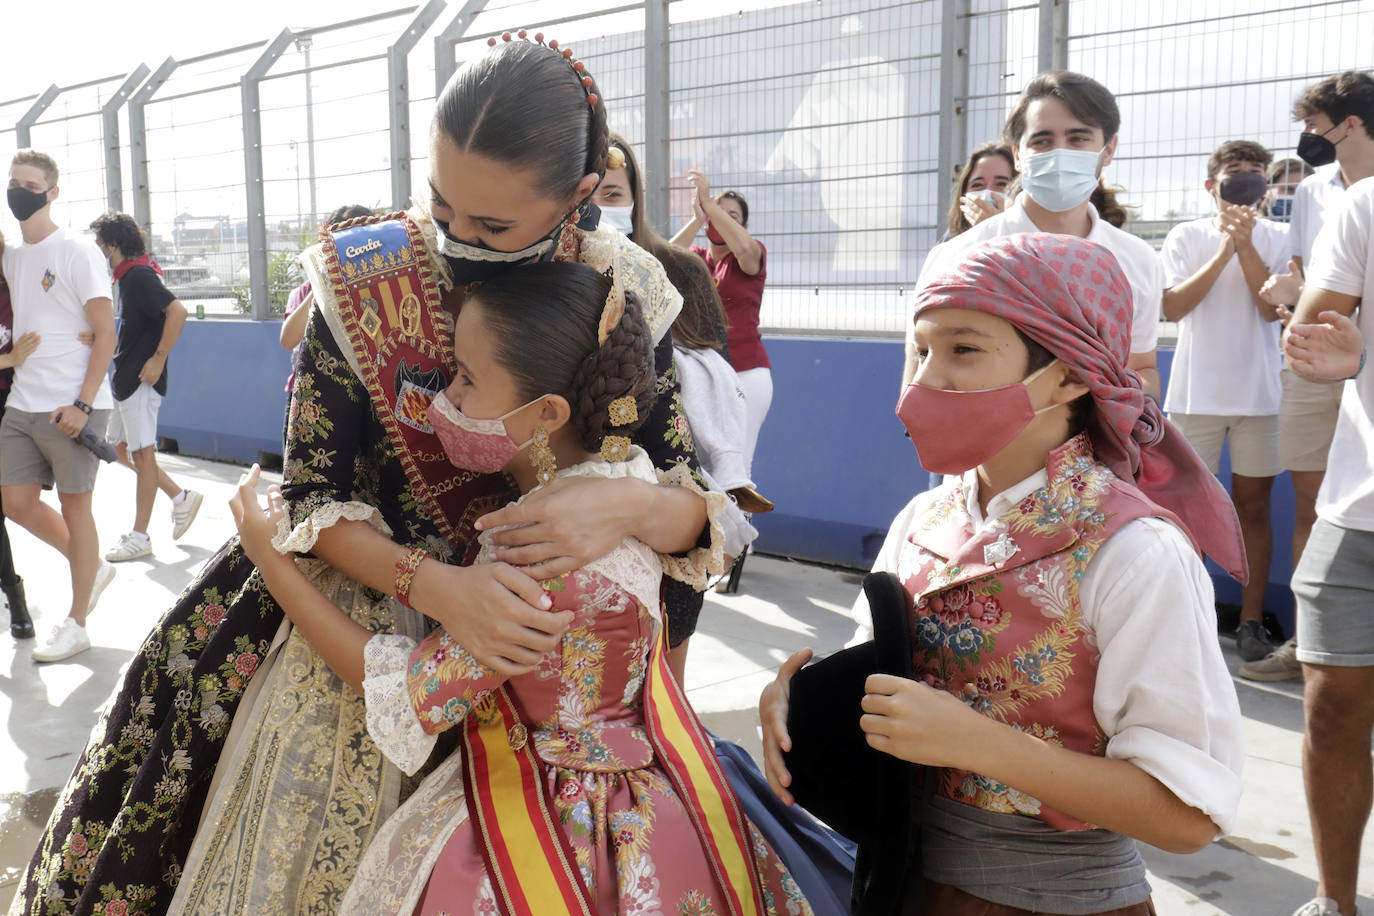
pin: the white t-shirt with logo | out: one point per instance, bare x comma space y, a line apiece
1343, 262
1228, 361
1138, 262
1317, 197
50, 283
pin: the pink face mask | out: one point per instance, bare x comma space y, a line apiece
711, 233
954, 431
471, 444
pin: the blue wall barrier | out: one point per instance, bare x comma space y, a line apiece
832, 454
226, 390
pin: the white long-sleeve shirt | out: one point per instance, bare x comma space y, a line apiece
1164, 697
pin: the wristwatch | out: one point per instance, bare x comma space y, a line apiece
82, 406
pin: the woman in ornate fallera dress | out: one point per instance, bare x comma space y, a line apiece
586, 785
233, 771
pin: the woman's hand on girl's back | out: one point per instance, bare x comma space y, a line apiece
497, 612
567, 524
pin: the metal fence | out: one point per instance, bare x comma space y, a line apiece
843, 122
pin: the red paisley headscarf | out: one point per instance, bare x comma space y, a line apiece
1070, 296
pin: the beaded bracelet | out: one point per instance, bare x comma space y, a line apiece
82, 406
405, 573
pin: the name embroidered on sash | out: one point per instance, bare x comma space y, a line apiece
390, 306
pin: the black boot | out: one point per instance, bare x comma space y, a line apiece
730, 584
21, 624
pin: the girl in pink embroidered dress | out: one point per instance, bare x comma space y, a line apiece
530, 358
1069, 689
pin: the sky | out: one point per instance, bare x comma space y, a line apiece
159, 29
119, 42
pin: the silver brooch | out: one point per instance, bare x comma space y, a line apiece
1000, 550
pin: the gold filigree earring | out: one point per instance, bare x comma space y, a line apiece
541, 456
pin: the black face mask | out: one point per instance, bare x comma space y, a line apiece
470, 263
25, 203
1243, 188
1316, 150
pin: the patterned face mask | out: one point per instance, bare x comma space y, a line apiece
484, 446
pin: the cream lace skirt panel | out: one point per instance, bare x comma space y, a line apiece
301, 792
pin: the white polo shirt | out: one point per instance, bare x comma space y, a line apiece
1315, 196
1138, 262
1227, 362
50, 283
1343, 262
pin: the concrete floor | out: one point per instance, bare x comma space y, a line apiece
1266, 867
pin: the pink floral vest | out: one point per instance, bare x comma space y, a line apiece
997, 620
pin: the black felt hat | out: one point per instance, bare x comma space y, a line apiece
868, 796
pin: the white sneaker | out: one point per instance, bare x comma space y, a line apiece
131, 546
68, 639
184, 512
1319, 906
1280, 665
103, 577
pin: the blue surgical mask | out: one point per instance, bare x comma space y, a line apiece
1060, 179
1282, 207
619, 218
996, 198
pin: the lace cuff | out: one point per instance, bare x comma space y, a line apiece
302, 538
739, 533
700, 563
391, 719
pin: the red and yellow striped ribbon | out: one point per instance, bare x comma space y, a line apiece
533, 869
686, 753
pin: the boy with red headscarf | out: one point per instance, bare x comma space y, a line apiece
1068, 690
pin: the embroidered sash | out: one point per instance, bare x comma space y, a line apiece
390, 307
533, 869
682, 748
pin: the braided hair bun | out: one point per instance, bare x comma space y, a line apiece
623, 365
544, 318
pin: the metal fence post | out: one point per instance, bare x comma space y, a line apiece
448, 38
109, 130
954, 54
657, 116
303, 45
27, 119
1054, 30
252, 173
398, 96
138, 144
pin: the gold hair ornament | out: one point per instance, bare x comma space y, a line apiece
615, 158
614, 308
622, 412
615, 448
